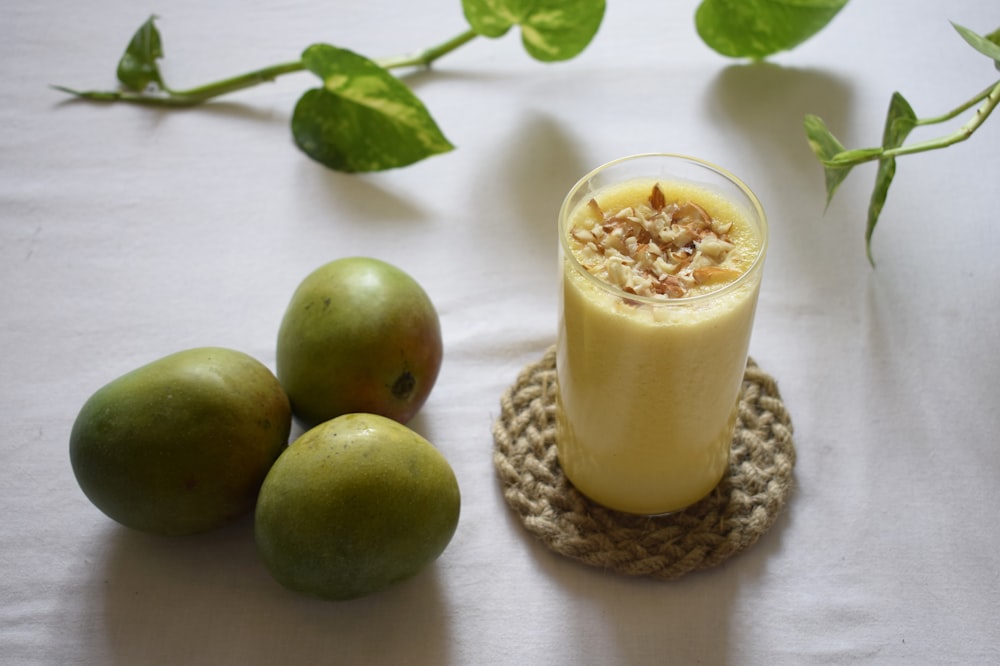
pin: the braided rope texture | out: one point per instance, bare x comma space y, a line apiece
729, 520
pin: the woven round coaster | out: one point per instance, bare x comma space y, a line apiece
733, 517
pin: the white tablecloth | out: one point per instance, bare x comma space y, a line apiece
129, 233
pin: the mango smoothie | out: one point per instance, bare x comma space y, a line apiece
660, 277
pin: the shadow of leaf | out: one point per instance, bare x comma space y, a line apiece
761, 107
767, 103
541, 164
360, 199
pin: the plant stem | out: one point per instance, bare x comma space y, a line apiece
425, 57
225, 86
960, 109
990, 98
203, 93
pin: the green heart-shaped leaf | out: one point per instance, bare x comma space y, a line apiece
551, 30
826, 146
493, 18
899, 122
137, 68
759, 28
363, 118
988, 45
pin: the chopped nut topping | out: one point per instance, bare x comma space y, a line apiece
658, 248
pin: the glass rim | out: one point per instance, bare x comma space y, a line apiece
757, 208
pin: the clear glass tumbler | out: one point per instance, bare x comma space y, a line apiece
650, 365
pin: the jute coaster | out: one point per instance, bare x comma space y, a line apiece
733, 517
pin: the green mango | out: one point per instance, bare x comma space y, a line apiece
181, 445
359, 335
353, 506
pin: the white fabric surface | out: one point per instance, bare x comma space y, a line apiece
129, 233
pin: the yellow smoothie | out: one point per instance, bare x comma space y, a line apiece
652, 351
